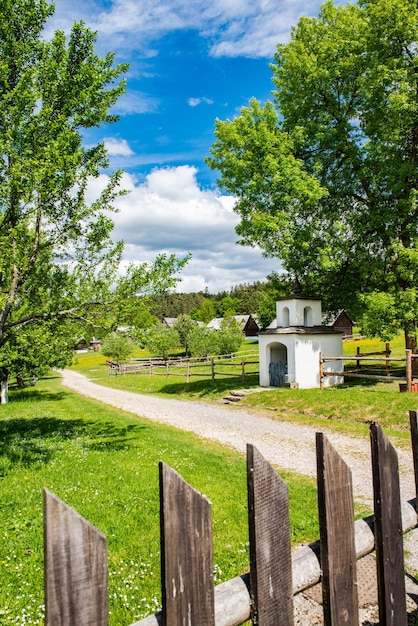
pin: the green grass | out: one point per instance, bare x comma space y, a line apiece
347, 408
104, 463
93, 365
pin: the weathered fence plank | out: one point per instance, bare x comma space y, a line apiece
232, 604
270, 544
186, 550
336, 524
388, 530
75, 568
413, 420
76, 553
363, 357
173, 367
232, 598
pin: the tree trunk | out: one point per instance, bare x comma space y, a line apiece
411, 344
4, 398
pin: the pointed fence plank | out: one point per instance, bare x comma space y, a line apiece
336, 524
388, 530
413, 420
270, 545
186, 551
75, 568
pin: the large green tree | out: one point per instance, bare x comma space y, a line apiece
326, 173
58, 262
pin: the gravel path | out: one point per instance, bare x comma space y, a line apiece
286, 445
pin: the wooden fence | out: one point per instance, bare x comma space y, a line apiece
210, 367
372, 357
76, 561
363, 355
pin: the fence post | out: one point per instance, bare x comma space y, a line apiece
388, 530
358, 361
212, 361
75, 567
409, 370
186, 553
336, 524
321, 371
387, 359
270, 546
243, 370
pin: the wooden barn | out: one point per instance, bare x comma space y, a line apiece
81, 345
339, 320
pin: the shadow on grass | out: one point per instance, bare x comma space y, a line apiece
36, 395
207, 387
203, 388
34, 441
381, 381
349, 383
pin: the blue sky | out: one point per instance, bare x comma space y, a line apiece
190, 63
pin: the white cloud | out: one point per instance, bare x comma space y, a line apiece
194, 102
169, 212
135, 102
256, 30
144, 18
117, 147
232, 27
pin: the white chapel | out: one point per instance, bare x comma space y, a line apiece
290, 348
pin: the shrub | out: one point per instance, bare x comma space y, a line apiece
229, 336
117, 347
203, 341
160, 340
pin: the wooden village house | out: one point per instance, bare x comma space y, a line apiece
248, 324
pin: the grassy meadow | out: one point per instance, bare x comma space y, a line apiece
93, 365
104, 463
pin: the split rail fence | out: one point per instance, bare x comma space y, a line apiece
76, 553
374, 358
211, 367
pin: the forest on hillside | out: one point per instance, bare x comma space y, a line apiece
243, 299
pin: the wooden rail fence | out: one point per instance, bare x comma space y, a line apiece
358, 357
386, 353
218, 366
76, 560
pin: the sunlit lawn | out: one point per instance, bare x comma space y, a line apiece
104, 463
200, 385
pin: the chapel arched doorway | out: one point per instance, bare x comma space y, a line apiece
277, 364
